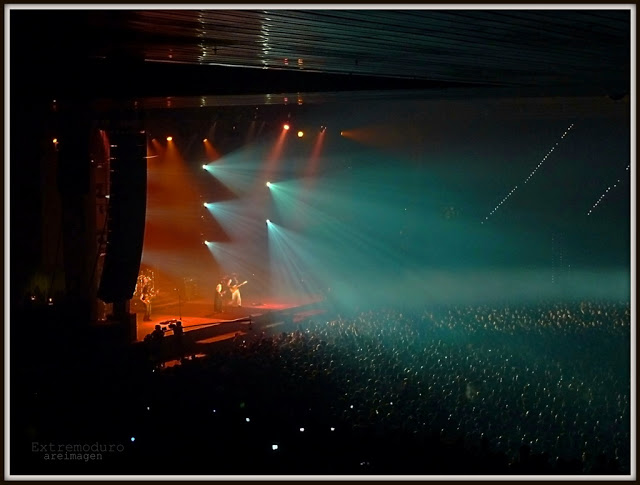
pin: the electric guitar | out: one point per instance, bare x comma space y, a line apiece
235, 287
146, 297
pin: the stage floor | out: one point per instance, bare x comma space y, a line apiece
199, 313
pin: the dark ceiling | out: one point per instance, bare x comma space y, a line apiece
158, 52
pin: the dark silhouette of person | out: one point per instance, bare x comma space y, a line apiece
217, 297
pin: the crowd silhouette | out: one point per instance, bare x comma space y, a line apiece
538, 388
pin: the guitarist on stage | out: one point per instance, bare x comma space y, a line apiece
234, 288
146, 294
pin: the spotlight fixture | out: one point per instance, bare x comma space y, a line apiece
205, 204
268, 222
204, 166
169, 138
300, 134
286, 126
55, 140
323, 128
205, 140
268, 184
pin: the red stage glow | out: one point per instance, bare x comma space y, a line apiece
197, 313
315, 155
170, 195
152, 148
276, 151
210, 151
383, 135
155, 148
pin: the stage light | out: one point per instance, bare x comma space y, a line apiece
247, 419
302, 430
205, 140
300, 134
169, 138
333, 429
274, 447
268, 222
268, 184
286, 126
204, 167
206, 244
133, 438
55, 140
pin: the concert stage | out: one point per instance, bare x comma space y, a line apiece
198, 315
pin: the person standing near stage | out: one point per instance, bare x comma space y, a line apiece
217, 297
146, 294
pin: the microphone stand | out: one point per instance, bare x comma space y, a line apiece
179, 305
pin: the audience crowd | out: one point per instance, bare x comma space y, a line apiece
445, 390
524, 389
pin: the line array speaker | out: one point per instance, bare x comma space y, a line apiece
126, 216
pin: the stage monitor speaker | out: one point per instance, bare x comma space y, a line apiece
126, 216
